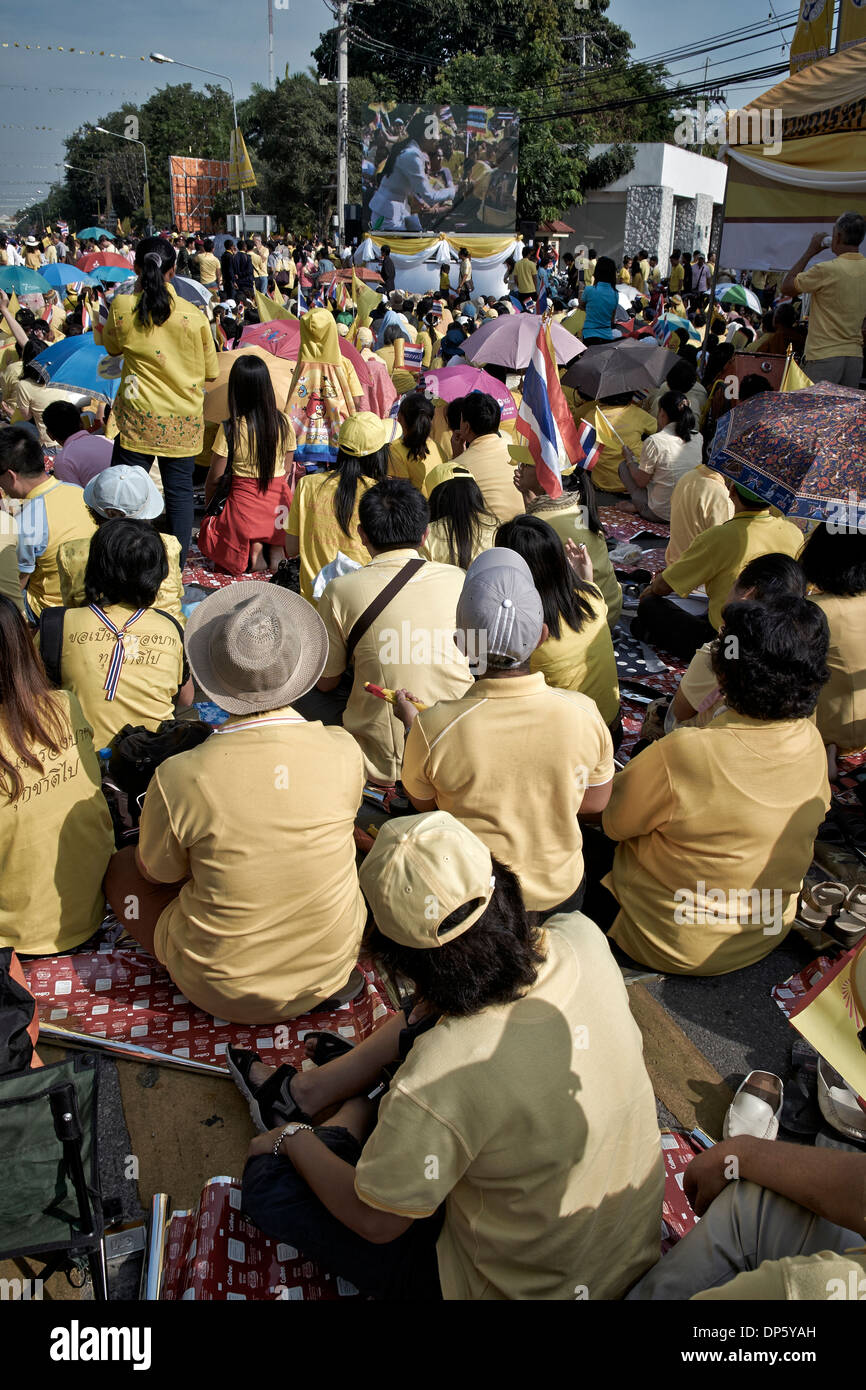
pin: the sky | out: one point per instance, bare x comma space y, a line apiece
63, 90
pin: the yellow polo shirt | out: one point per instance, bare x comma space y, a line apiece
525, 276
838, 290
52, 512
409, 646
717, 557
841, 710
490, 464
704, 817
825, 1277
541, 1119
699, 501
72, 559
313, 520
10, 586
513, 760
435, 547
583, 661
628, 422
55, 842
270, 920
151, 676
675, 279
208, 268
569, 524
159, 406
400, 465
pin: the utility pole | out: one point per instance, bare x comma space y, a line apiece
342, 118
271, 44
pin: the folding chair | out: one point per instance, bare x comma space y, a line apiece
50, 1200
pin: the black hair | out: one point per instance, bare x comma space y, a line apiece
580, 482
453, 412
61, 419
459, 504
785, 315
392, 334
349, 469
394, 514
676, 407
252, 402
414, 131
417, 417
126, 563
386, 250
481, 412
752, 385
493, 962
771, 659
605, 272
25, 318
564, 597
835, 561
154, 258
21, 451
681, 375
770, 577
31, 369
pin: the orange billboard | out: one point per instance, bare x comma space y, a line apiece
194, 185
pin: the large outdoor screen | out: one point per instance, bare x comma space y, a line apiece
439, 169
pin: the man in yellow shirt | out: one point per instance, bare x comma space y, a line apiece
440, 1203
700, 500
485, 454
713, 561
834, 342
676, 274
525, 273
53, 512
243, 938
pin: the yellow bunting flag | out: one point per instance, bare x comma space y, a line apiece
365, 299
240, 169
813, 39
269, 309
793, 377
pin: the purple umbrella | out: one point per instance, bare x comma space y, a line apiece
508, 341
447, 383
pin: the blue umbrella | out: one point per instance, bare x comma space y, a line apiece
17, 279
112, 274
93, 234
192, 291
73, 363
58, 276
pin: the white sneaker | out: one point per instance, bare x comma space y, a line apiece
756, 1107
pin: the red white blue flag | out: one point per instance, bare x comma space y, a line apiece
545, 420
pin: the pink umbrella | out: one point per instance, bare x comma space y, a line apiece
508, 341
460, 379
282, 337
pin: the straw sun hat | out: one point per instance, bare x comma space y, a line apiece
254, 646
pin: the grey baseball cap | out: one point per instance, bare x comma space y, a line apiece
125, 490
500, 600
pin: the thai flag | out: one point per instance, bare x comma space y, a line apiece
476, 117
302, 307
318, 301
590, 446
545, 420
445, 113
543, 302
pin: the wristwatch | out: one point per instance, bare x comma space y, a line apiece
286, 1133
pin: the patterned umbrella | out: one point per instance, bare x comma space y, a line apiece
738, 294
508, 341
282, 338
801, 451
447, 383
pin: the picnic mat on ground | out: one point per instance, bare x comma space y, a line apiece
124, 996
199, 570
678, 1150
819, 1002
213, 1254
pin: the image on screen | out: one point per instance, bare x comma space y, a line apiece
439, 169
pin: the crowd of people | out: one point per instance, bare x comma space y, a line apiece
439, 641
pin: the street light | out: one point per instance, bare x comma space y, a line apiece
161, 58
129, 139
80, 169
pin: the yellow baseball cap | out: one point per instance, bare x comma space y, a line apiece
520, 454
443, 473
419, 871
365, 433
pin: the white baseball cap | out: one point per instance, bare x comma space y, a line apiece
125, 490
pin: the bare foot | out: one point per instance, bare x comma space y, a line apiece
626, 507
257, 558
300, 1089
276, 554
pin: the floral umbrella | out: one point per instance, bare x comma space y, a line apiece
801, 451
282, 338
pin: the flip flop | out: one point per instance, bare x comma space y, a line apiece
328, 1047
272, 1103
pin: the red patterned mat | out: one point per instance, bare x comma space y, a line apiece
678, 1150
199, 570
126, 997
213, 1254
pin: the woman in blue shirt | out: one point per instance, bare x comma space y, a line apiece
600, 302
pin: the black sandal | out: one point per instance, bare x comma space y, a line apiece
328, 1047
272, 1103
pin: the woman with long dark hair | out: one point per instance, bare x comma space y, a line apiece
324, 514
416, 455
665, 457
460, 524
578, 654
55, 829
168, 353
405, 175
256, 443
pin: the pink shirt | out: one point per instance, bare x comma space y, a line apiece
82, 457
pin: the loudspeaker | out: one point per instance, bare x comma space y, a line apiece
527, 231
352, 214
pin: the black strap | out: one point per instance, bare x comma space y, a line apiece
172, 619
51, 642
380, 603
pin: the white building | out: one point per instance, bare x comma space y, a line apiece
671, 197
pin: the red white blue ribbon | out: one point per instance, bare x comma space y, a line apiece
118, 656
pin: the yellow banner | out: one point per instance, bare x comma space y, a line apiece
365, 301
147, 210
241, 174
852, 22
269, 309
813, 39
